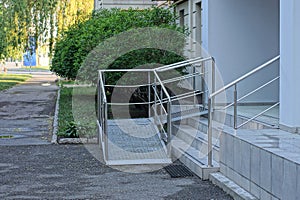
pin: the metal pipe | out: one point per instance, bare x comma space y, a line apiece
161, 97
160, 101
155, 97
203, 83
102, 86
245, 76
126, 104
259, 114
169, 131
106, 131
209, 135
235, 107
181, 96
127, 86
213, 79
181, 65
194, 84
98, 100
149, 94
126, 70
181, 77
253, 91
162, 85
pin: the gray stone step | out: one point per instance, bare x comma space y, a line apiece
229, 186
194, 159
196, 139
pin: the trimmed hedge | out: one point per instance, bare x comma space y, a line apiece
102, 34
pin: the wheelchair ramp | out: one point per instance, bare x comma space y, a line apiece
135, 141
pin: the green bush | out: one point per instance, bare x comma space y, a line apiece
72, 51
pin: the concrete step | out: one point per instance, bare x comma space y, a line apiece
196, 139
194, 159
229, 186
201, 124
228, 119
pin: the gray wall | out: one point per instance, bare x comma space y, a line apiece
242, 35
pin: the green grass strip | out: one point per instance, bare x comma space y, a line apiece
9, 80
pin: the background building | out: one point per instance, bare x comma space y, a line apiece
124, 4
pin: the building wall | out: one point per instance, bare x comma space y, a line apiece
290, 65
124, 4
240, 35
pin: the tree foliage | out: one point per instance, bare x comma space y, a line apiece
105, 28
38, 19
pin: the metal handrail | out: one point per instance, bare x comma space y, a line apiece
102, 86
259, 114
244, 76
234, 84
162, 85
127, 70
163, 98
178, 63
252, 92
196, 60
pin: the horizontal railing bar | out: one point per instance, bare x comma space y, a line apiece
128, 104
179, 63
184, 97
259, 114
174, 98
182, 77
165, 100
244, 76
126, 70
253, 91
127, 86
166, 68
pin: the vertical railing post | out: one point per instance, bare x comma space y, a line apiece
106, 131
99, 103
213, 80
149, 94
155, 99
105, 117
209, 134
203, 83
169, 130
99, 136
161, 100
235, 107
194, 84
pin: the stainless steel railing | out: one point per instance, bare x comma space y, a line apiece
161, 97
234, 84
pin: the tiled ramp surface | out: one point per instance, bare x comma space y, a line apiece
135, 141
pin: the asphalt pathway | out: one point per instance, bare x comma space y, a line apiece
32, 168
26, 110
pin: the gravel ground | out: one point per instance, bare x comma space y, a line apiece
71, 172
31, 168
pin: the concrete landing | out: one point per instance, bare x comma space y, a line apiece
26, 111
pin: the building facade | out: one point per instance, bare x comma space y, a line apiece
124, 4
242, 35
